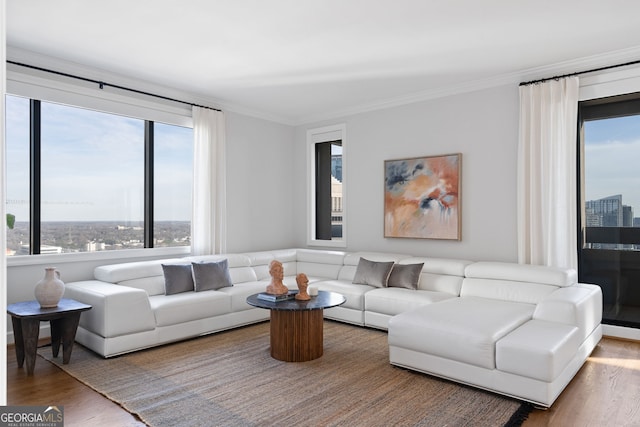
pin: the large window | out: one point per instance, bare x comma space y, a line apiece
327, 195
17, 172
173, 165
84, 181
609, 252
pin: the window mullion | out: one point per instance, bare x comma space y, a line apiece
35, 137
148, 183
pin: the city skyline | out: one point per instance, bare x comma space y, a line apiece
612, 151
96, 236
609, 212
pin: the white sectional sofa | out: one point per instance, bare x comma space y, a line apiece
519, 330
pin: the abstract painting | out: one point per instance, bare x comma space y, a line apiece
422, 197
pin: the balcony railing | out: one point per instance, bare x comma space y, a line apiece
614, 238
610, 257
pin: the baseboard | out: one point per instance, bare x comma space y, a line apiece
621, 332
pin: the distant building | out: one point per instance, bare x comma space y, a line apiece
627, 216
336, 166
593, 219
44, 249
605, 212
609, 212
95, 246
336, 207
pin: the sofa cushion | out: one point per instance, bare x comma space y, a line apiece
440, 283
513, 272
461, 329
260, 262
242, 274
189, 306
579, 305
151, 285
538, 349
117, 310
233, 260
392, 301
316, 263
353, 258
211, 275
372, 273
240, 292
507, 290
177, 278
320, 256
440, 274
115, 273
443, 266
354, 294
405, 276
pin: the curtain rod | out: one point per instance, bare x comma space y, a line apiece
102, 84
577, 73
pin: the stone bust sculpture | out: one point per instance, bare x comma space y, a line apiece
276, 287
303, 282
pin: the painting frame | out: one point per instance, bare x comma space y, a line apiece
422, 197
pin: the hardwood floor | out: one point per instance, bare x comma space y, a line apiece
606, 392
49, 385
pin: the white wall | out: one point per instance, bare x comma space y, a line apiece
482, 125
259, 184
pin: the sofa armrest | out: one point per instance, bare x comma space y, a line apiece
579, 305
117, 310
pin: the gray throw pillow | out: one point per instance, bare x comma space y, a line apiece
177, 278
405, 276
211, 275
372, 273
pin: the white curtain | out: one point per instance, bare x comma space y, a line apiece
208, 221
547, 192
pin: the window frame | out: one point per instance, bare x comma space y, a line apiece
319, 136
592, 261
600, 109
44, 87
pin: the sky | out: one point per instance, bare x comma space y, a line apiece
93, 165
612, 155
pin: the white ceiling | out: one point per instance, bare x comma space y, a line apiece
303, 60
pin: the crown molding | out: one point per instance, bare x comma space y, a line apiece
559, 68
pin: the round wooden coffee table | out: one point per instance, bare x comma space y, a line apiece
297, 326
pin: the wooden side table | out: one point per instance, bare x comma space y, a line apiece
26, 317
